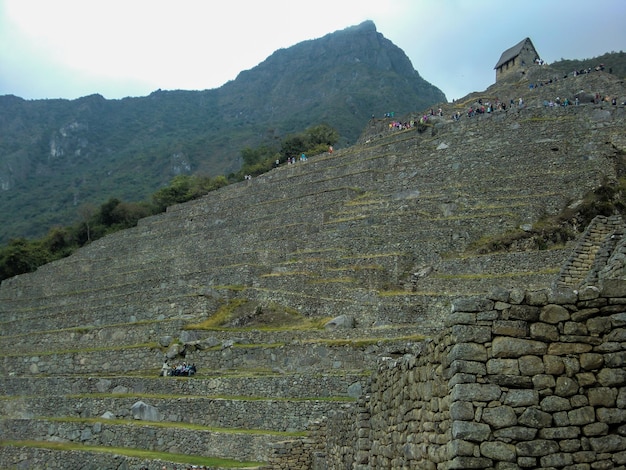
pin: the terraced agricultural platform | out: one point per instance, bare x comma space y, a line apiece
377, 234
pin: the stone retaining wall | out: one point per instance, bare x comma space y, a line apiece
301, 357
276, 386
516, 380
268, 414
233, 445
30, 458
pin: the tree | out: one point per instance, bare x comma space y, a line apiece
322, 134
176, 192
107, 217
85, 213
127, 214
293, 146
20, 256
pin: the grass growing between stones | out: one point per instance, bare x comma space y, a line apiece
175, 425
242, 314
362, 342
554, 231
151, 345
87, 329
137, 453
157, 396
496, 275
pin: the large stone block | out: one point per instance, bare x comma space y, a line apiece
470, 431
618, 320
471, 334
517, 328
534, 418
564, 349
582, 416
472, 304
516, 347
511, 381
499, 417
553, 364
143, 411
519, 398
466, 367
586, 293
461, 411
467, 352
531, 365
602, 396
611, 415
469, 462
515, 434
476, 392
543, 381
591, 361
554, 403
613, 288
544, 332
616, 359
554, 314
563, 295
612, 377
610, 443
537, 297
618, 334
503, 366
566, 387
537, 448
559, 459
499, 451
524, 312
456, 447
564, 432
598, 325
584, 314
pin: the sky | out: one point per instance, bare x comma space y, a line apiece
120, 48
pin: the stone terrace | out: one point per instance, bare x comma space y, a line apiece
377, 232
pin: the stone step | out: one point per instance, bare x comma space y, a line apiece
271, 414
301, 357
272, 385
55, 456
334, 276
244, 445
117, 335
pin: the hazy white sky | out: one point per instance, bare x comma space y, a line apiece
119, 48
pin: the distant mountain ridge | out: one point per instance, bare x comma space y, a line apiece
58, 154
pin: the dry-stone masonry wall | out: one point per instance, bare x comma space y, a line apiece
516, 380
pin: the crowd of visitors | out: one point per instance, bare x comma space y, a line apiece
182, 369
488, 107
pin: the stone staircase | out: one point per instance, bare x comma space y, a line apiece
590, 257
377, 232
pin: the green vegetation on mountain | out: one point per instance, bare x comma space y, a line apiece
21, 255
57, 155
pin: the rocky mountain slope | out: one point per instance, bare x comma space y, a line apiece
57, 154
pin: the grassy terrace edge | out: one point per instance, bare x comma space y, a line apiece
129, 452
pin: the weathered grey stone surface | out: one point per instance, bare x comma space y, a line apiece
143, 411
514, 374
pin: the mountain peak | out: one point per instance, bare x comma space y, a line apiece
65, 148
367, 25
